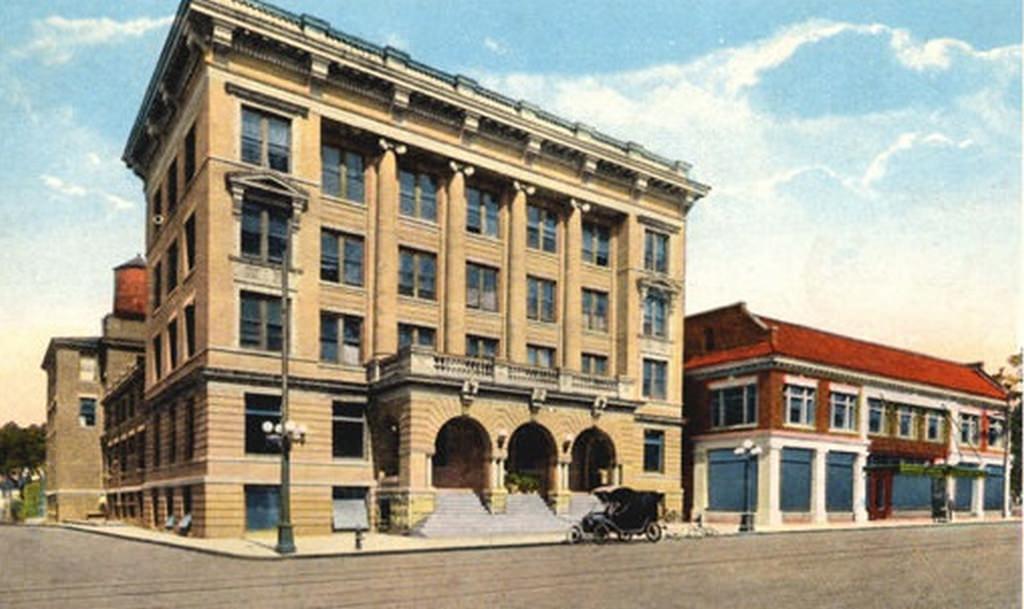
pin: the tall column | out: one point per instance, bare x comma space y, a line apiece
629, 308
385, 320
515, 334
700, 483
572, 314
860, 508
863, 414
769, 472
819, 507
978, 500
455, 261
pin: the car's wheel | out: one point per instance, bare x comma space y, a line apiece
575, 534
624, 535
601, 533
653, 532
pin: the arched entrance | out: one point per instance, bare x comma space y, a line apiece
593, 460
462, 453
531, 459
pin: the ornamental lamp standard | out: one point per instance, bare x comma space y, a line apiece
748, 451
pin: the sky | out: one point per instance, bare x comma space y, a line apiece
865, 157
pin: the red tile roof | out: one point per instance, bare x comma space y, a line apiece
823, 347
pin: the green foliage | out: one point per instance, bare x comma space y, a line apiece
518, 482
21, 448
31, 504
1015, 441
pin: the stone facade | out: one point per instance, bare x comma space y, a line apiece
246, 108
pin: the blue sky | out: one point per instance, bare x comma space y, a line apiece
865, 156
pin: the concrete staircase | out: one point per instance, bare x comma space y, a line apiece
580, 504
459, 513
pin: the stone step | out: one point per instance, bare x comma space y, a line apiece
461, 514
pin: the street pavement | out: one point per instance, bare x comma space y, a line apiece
976, 566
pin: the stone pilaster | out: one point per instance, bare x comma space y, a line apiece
860, 508
455, 261
515, 333
385, 297
978, 500
769, 478
572, 315
819, 506
630, 250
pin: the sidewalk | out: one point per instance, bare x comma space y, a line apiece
260, 546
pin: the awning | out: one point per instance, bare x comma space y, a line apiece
934, 471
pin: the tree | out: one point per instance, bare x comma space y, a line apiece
1012, 380
21, 449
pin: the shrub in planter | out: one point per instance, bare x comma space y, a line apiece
517, 482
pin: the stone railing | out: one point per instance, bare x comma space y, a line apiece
416, 361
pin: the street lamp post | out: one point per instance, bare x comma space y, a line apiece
749, 451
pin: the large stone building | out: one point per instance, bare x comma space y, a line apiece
847, 430
483, 296
79, 370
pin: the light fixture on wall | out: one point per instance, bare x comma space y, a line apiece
502, 436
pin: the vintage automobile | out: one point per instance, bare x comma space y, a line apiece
624, 513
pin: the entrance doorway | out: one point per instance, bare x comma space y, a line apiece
462, 452
879, 494
531, 459
593, 461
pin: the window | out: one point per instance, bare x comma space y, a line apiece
266, 139
656, 252
190, 330
596, 365
417, 194
799, 405
596, 244
158, 203
264, 232
172, 187
172, 436
542, 357
190, 243
342, 174
260, 408
933, 427
905, 420
876, 416
417, 274
421, 336
481, 346
481, 212
158, 357
140, 456
595, 310
541, 229
262, 507
655, 379
156, 440
347, 328
844, 411
347, 430
655, 314
86, 368
734, 406
969, 429
261, 326
87, 412
995, 433
172, 343
158, 288
341, 258
172, 266
540, 299
481, 287
190, 153
190, 429
654, 450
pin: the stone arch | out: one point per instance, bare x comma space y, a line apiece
593, 460
532, 452
462, 455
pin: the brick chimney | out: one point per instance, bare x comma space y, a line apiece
130, 289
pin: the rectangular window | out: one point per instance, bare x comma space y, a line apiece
172, 435
158, 287
970, 431
655, 314
348, 422
264, 232
140, 456
795, 487
190, 153
342, 174
421, 336
540, 299
654, 450
933, 427
156, 440
995, 433
906, 417
266, 139
262, 507
481, 346
158, 204
734, 406
839, 481
541, 229
655, 379
87, 412
596, 244
844, 411
260, 408
341, 258
417, 274
481, 287
656, 251
876, 416
260, 322
542, 357
595, 310
172, 187
417, 194
341, 338
481, 212
172, 343
172, 266
190, 330
86, 368
596, 365
158, 358
190, 243
190, 429
799, 405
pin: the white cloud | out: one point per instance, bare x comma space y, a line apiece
56, 39
494, 46
879, 166
119, 203
65, 188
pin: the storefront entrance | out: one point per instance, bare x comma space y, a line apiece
462, 452
531, 460
879, 494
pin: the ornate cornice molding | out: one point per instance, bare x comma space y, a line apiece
266, 100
